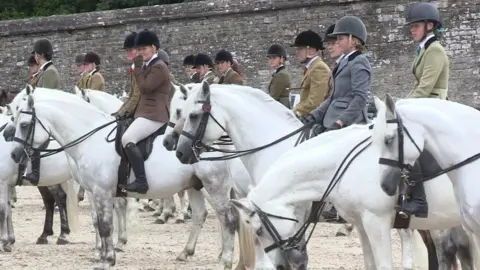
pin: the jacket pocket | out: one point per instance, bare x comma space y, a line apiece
341, 104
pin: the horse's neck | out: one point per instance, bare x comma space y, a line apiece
104, 102
72, 125
258, 130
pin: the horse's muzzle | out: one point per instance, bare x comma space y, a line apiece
169, 142
17, 154
185, 154
9, 133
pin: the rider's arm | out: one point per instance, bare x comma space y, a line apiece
434, 61
318, 88
151, 78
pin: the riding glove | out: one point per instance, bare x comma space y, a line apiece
334, 126
307, 119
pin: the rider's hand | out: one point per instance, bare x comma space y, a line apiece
307, 119
334, 126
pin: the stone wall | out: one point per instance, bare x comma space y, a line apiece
246, 28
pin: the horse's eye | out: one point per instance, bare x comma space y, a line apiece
179, 113
388, 140
24, 125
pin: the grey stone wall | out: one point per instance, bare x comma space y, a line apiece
246, 28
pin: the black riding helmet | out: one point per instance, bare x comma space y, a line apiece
129, 42
423, 12
308, 39
188, 60
91, 57
224, 56
202, 59
277, 50
147, 38
43, 47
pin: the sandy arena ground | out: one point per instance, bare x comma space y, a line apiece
153, 246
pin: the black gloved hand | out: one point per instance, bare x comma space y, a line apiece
334, 126
307, 119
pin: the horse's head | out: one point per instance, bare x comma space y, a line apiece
175, 126
12, 109
400, 142
198, 131
30, 132
82, 93
272, 229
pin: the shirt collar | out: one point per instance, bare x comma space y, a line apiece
93, 71
424, 41
44, 64
310, 62
275, 71
227, 71
339, 58
153, 57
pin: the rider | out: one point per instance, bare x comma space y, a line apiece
153, 81
204, 66
189, 70
352, 78
46, 77
430, 68
281, 79
314, 84
224, 61
80, 68
92, 78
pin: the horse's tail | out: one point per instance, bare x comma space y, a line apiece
72, 204
246, 240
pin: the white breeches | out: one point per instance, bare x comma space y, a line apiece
140, 129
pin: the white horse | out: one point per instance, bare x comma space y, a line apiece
435, 125
254, 119
110, 104
97, 163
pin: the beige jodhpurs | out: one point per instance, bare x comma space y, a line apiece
140, 129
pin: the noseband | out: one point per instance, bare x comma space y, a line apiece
28, 142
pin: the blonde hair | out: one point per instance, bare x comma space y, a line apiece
357, 44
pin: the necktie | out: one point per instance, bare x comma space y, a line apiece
305, 69
419, 49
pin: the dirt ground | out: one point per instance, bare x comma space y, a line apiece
154, 246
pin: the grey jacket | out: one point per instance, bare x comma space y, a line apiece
49, 78
351, 87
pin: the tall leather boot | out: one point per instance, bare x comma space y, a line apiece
135, 158
417, 203
34, 176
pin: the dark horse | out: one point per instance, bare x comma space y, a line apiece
50, 195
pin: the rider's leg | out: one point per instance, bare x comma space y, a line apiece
34, 176
140, 129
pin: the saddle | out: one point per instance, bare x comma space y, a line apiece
425, 165
145, 146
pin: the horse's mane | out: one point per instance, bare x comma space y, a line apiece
258, 96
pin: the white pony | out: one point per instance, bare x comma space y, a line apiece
435, 125
240, 119
97, 164
110, 104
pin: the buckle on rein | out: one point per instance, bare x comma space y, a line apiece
405, 176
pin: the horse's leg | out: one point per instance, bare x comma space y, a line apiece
13, 196
120, 207
98, 240
184, 205
49, 203
345, 230
81, 194
160, 206
198, 219
168, 210
366, 248
104, 206
147, 207
407, 248
4, 215
60, 198
378, 232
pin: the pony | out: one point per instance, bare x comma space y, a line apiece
110, 104
97, 169
240, 119
408, 127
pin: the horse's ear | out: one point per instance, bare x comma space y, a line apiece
29, 89
205, 88
183, 90
390, 104
30, 102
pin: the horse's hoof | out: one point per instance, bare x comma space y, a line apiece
187, 216
340, 234
119, 246
159, 221
227, 266
157, 214
148, 208
7, 248
11, 240
12, 205
179, 221
182, 256
62, 241
42, 241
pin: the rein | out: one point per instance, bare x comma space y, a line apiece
197, 143
407, 168
28, 142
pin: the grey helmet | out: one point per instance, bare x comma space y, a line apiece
277, 50
423, 12
163, 55
350, 25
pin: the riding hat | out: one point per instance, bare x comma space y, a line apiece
43, 47
350, 25
129, 42
277, 50
423, 12
92, 57
328, 32
147, 38
188, 60
224, 56
80, 59
308, 39
202, 59
163, 55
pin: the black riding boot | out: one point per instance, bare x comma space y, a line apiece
135, 158
34, 176
417, 203
333, 215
